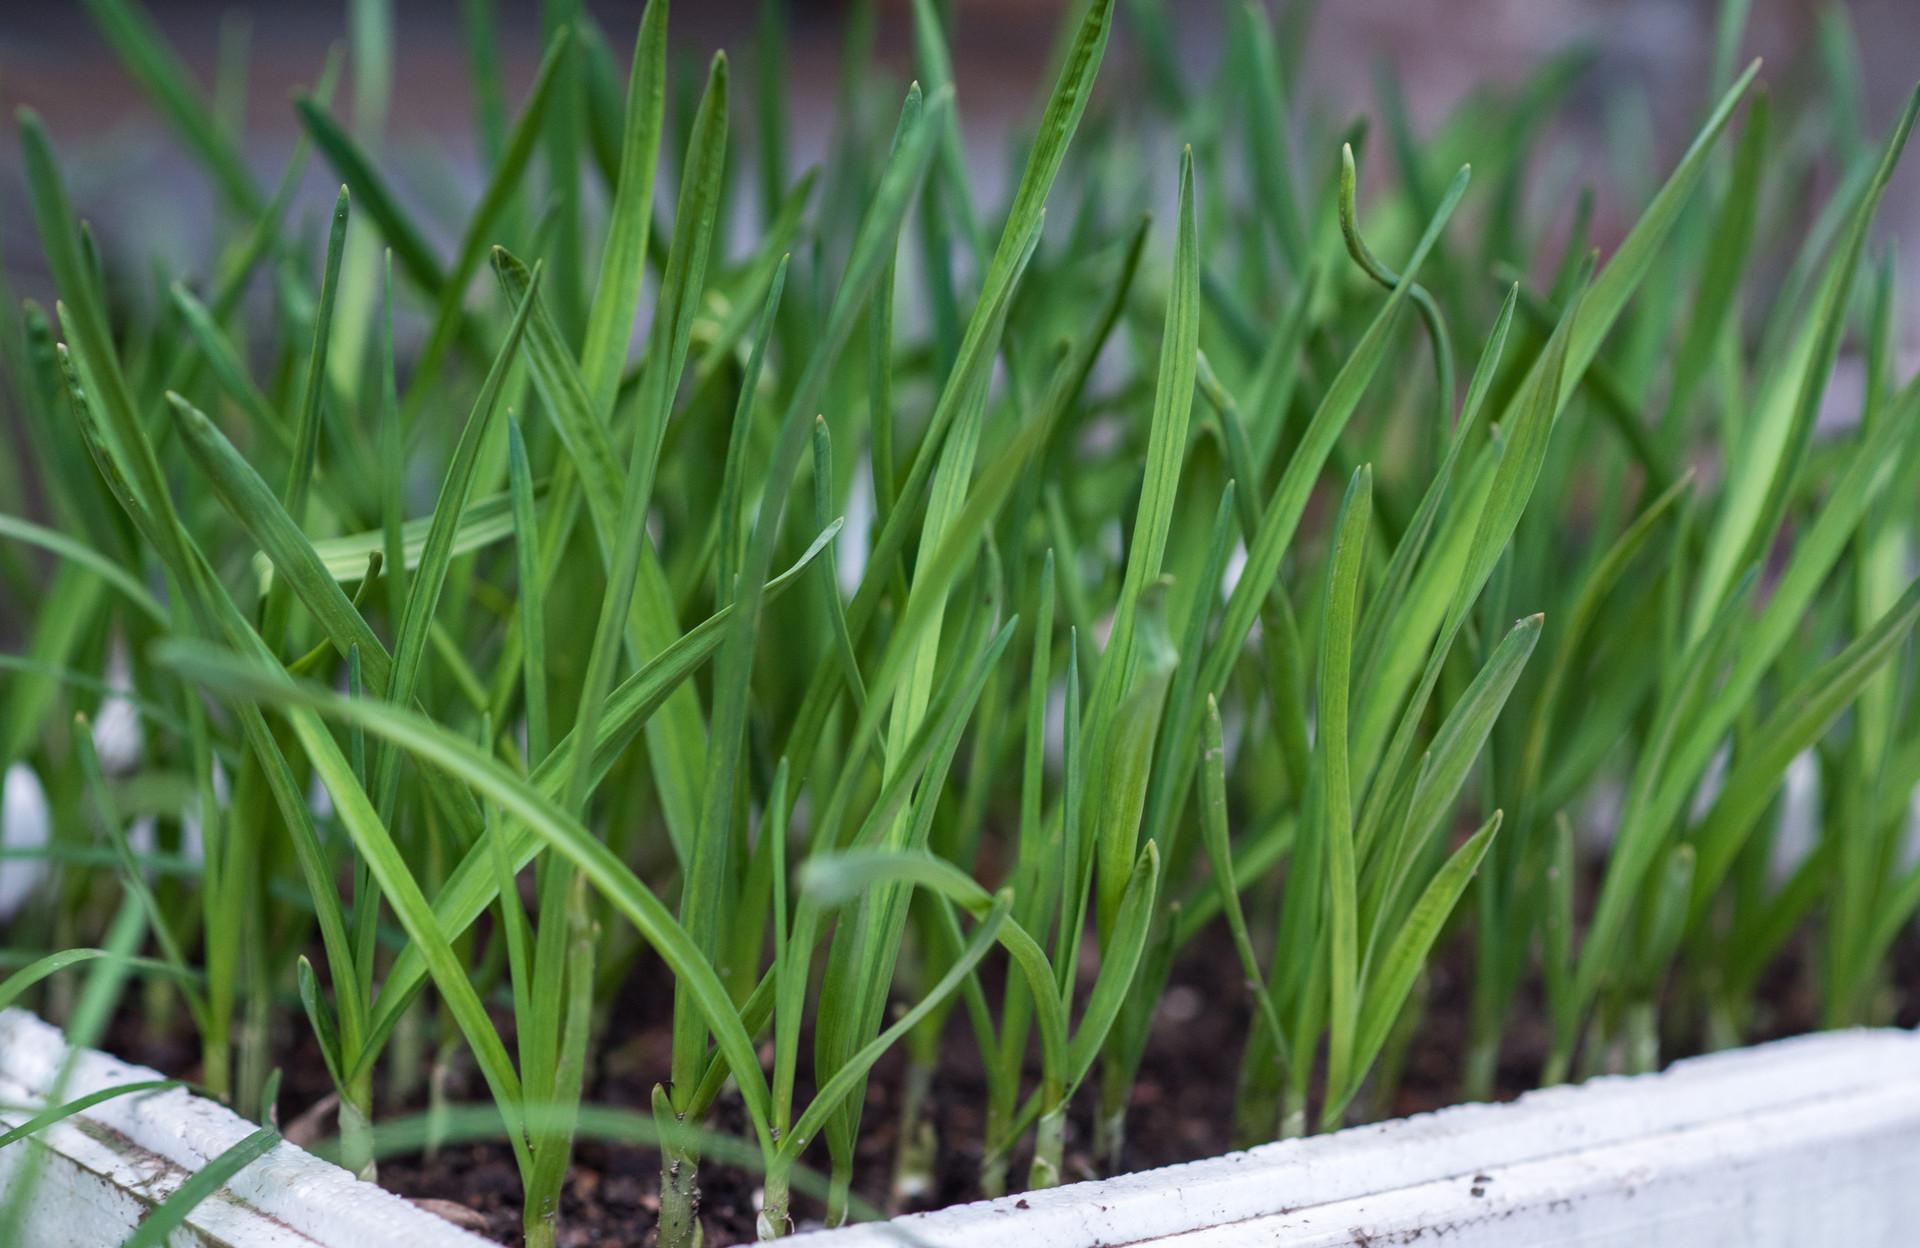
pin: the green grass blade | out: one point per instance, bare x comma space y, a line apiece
1338, 624
423, 597
1166, 451
1123, 952
1215, 837
1802, 716
623, 262
1269, 150
1443, 770
376, 197
1572, 640
1400, 965
437, 747
1727, 255
306, 433
1770, 461
1284, 510
228, 370
82, 555
472, 885
1629, 265
666, 355
849, 1074
1125, 772
532, 584
486, 520
252, 503
503, 187
1509, 492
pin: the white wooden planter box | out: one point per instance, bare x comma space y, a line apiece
103, 1169
1803, 1142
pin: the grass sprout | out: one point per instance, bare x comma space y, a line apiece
887, 622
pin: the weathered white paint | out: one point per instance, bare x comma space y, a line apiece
100, 1171
1802, 1142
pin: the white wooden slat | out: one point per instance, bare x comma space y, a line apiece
1801, 1142
103, 1169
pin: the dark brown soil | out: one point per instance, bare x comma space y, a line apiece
1183, 1104
1182, 1110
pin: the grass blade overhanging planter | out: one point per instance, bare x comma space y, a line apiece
132, 1145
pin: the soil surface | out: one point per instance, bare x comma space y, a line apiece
1182, 1110
612, 1195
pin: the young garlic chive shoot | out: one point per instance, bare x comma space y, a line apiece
1079, 694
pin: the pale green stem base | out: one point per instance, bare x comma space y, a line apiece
839, 1188
1482, 1064
1723, 1028
774, 1221
1110, 1119
993, 1173
253, 1034
216, 1059
1293, 1114
1599, 1052
919, 1148
356, 1131
438, 1080
1110, 1139
1049, 1146
1643, 1039
406, 1055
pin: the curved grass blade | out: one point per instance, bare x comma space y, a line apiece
486, 520
837, 879
300, 567
442, 749
471, 886
1284, 510
82, 555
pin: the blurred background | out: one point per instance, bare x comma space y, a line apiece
1645, 86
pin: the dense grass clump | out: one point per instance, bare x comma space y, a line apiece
944, 615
